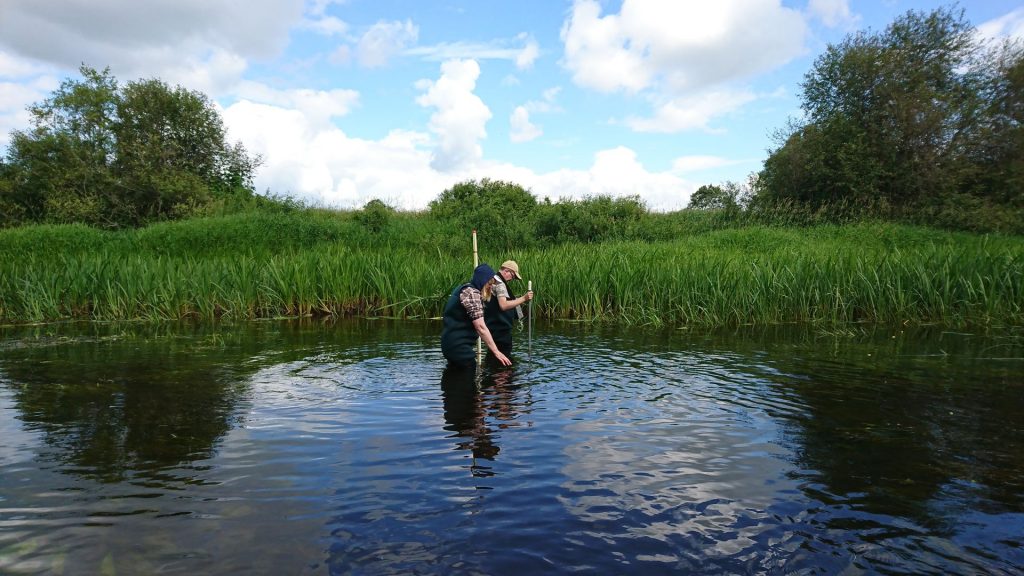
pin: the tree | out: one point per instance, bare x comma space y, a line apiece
890, 117
500, 210
59, 168
111, 156
591, 219
712, 197
999, 155
375, 215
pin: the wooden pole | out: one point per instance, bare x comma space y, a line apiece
476, 257
476, 262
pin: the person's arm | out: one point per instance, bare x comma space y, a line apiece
507, 304
485, 335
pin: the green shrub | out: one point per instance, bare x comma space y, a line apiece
502, 211
375, 216
596, 219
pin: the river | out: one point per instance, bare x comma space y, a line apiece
346, 447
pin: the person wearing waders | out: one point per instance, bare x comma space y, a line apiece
503, 310
464, 320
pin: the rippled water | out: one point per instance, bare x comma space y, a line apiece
309, 448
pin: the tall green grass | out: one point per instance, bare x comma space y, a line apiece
312, 262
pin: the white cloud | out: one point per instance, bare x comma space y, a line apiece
327, 26
691, 112
460, 117
1010, 25
688, 164
523, 56
522, 130
141, 39
318, 8
529, 54
317, 106
678, 46
833, 13
16, 97
318, 162
547, 103
617, 173
384, 40
13, 67
596, 54
213, 75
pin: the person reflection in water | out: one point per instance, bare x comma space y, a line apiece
474, 409
464, 320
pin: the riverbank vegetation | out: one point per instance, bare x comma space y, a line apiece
898, 197
699, 268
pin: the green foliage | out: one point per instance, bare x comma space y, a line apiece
257, 232
595, 219
375, 216
998, 154
708, 197
115, 157
503, 211
728, 196
315, 262
904, 121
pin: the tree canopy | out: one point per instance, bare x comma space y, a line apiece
115, 156
922, 114
502, 208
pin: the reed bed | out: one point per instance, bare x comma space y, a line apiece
246, 269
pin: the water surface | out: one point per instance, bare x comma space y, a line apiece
293, 447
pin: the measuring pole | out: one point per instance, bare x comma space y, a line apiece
476, 257
476, 262
529, 320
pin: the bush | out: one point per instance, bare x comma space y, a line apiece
375, 216
590, 220
502, 212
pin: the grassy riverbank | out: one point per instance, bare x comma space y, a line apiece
316, 262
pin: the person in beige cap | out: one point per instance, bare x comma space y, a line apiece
503, 310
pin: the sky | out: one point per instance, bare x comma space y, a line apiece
398, 100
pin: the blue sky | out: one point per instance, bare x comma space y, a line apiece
351, 100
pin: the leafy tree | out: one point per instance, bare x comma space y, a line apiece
891, 117
375, 215
105, 155
712, 197
61, 166
593, 219
999, 155
502, 211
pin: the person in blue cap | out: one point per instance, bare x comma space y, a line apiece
464, 320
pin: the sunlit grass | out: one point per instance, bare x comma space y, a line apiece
245, 267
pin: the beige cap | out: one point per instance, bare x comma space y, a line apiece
511, 265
